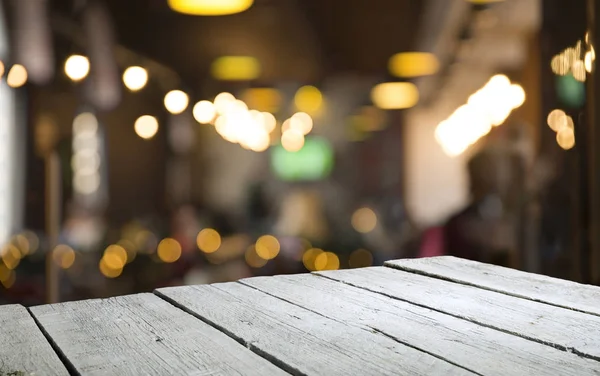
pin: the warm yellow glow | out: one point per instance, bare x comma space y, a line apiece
308, 99
516, 96
588, 62
253, 259
413, 64
107, 271
86, 183
176, 101
169, 250
210, 7
1, 68
208, 240
292, 140
33, 240
130, 248
267, 247
115, 256
77, 67
4, 273
364, 220
135, 78
17, 76
11, 256
269, 122
10, 279
223, 101
560, 64
566, 138
557, 119
236, 68
578, 69
146, 126
63, 256
361, 258
395, 95
22, 243
204, 112
263, 99
302, 122
309, 257
327, 261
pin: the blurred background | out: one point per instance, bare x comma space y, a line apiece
150, 143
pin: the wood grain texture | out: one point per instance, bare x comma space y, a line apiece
558, 292
560, 328
300, 341
480, 349
23, 347
143, 335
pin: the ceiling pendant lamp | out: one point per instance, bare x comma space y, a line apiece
210, 7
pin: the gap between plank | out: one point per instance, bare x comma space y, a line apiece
471, 284
554, 345
63, 358
273, 360
363, 327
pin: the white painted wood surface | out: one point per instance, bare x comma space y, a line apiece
23, 347
299, 340
561, 328
143, 335
483, 350
558, 292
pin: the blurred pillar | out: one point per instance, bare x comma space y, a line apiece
590, 258
53, 215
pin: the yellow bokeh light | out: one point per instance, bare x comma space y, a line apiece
557, 119
267, 247
135, 78
292, 140
588, 62
63, 256
566, 138
4, 272
176, 101
361, 258
302, 122
1, 68
146, 126
236, 68
204, 112
560, 64
327, 261
115, 256
269, 122
364, 220
10, 279
107, 271
413, 64
263, 99
516, 96
395, 95
578, 69
11, 256
210, 7
208, 240
169, 250
253, 259
22, 243
17, 76
77, 67
309, 257
34, 241
223, 101
308, 99
129, 248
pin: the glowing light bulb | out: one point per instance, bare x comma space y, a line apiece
146, 126
77, 67
17, 76
204, 112
176, 101
135, 78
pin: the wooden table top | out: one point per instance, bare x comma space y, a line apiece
431, 316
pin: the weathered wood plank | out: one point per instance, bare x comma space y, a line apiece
558, 292
300, 341
23, 347
561, 328
481, 349
143, 335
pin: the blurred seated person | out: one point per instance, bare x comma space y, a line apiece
482, 231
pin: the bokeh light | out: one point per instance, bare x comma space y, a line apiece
208, 240
302, 122
364, 220
63, 256
395, 95
327, 261
135, 78
253, 259
309, 257
560, 64
204, 112
578, 69
566, 138
292, 140
557, 119
210, 7
169, 250
77, 67
115, 256
176, 101
17, 76
308, 99
235, 68
146, 126
107, 271
11, 256
413, 64
2, 68
267, 247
